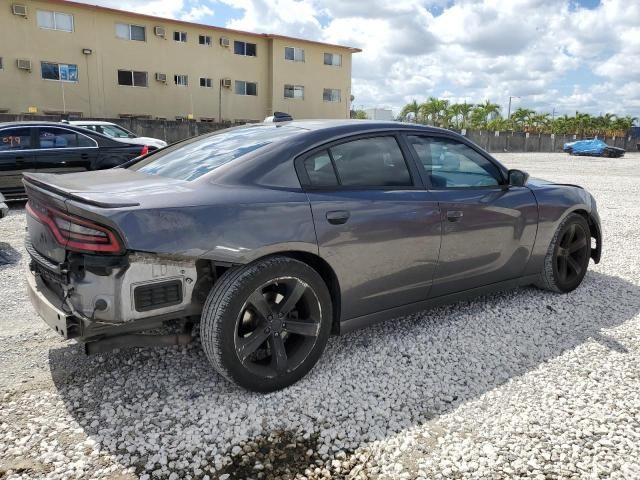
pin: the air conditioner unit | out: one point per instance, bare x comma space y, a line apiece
225, 42
225, 82
23, 64
161, 77
159, 31
20, 10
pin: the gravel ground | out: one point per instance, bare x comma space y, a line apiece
520, 384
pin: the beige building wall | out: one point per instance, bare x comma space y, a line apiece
98, 94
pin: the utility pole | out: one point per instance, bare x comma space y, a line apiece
509, 111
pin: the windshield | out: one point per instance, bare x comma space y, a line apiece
192, 159
115, 132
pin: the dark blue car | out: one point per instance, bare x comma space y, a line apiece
273, 236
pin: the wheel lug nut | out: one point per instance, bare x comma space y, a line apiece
280, 315
267, 330
270, 317
277, 334
284, 325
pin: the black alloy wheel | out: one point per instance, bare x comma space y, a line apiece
278, 327
266, 324
572, 254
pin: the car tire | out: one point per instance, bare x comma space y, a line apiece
247, 337
567, 258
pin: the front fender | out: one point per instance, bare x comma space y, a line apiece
555, 203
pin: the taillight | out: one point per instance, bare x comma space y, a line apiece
144, 150
76, 233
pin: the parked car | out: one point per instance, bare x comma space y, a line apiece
54, 147
4, 209
276, 235
119, 133
593, 147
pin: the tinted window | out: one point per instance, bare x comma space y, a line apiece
320, 170
61, 138
450, 164
15, 139
192, 159
371, 162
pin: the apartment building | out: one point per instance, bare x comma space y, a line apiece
60, 56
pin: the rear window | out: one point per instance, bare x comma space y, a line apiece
194, 158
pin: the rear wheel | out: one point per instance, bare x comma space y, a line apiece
265, 325
568, 256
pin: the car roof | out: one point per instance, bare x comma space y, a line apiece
90, 122
354, 125
35, 123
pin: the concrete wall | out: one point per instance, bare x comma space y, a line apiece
96, 93
522, 142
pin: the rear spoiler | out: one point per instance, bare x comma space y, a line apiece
30, 181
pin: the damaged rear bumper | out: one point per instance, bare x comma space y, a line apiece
46, 304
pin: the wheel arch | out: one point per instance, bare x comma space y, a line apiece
594, 230
327, 274
314, 261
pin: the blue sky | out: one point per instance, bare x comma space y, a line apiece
565, 55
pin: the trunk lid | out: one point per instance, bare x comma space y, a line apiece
90, 195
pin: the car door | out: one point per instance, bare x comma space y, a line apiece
376, 225
62, 150
488, 227
16, 157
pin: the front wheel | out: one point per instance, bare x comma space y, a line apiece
266, 324
567, 259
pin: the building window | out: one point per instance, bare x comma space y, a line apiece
64, 72
204, 40
205, 82
131, 32
132, 78
180, 36
334, 59
1, 67
181, 80
294, 91
294, 54
246, 88
331, 95
244, 48
55, 20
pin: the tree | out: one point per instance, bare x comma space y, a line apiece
359, 114
433, 110
409, 111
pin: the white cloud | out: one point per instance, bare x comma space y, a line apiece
551, 53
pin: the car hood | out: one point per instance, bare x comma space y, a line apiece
541, 183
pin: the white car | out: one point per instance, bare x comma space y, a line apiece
120, 133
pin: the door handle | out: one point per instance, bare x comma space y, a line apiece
454, 215
338, 217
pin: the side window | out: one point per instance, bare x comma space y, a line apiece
320, 170
15, 139
61, 138
371, 162
450, 164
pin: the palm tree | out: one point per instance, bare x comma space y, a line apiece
465, 111
433, 110
410, 110
522, 118
540, 122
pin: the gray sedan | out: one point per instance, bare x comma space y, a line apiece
274, 236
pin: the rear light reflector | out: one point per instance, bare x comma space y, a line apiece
75, 233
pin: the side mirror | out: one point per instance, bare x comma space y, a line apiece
518, 178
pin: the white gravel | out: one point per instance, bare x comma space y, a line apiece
521, 384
